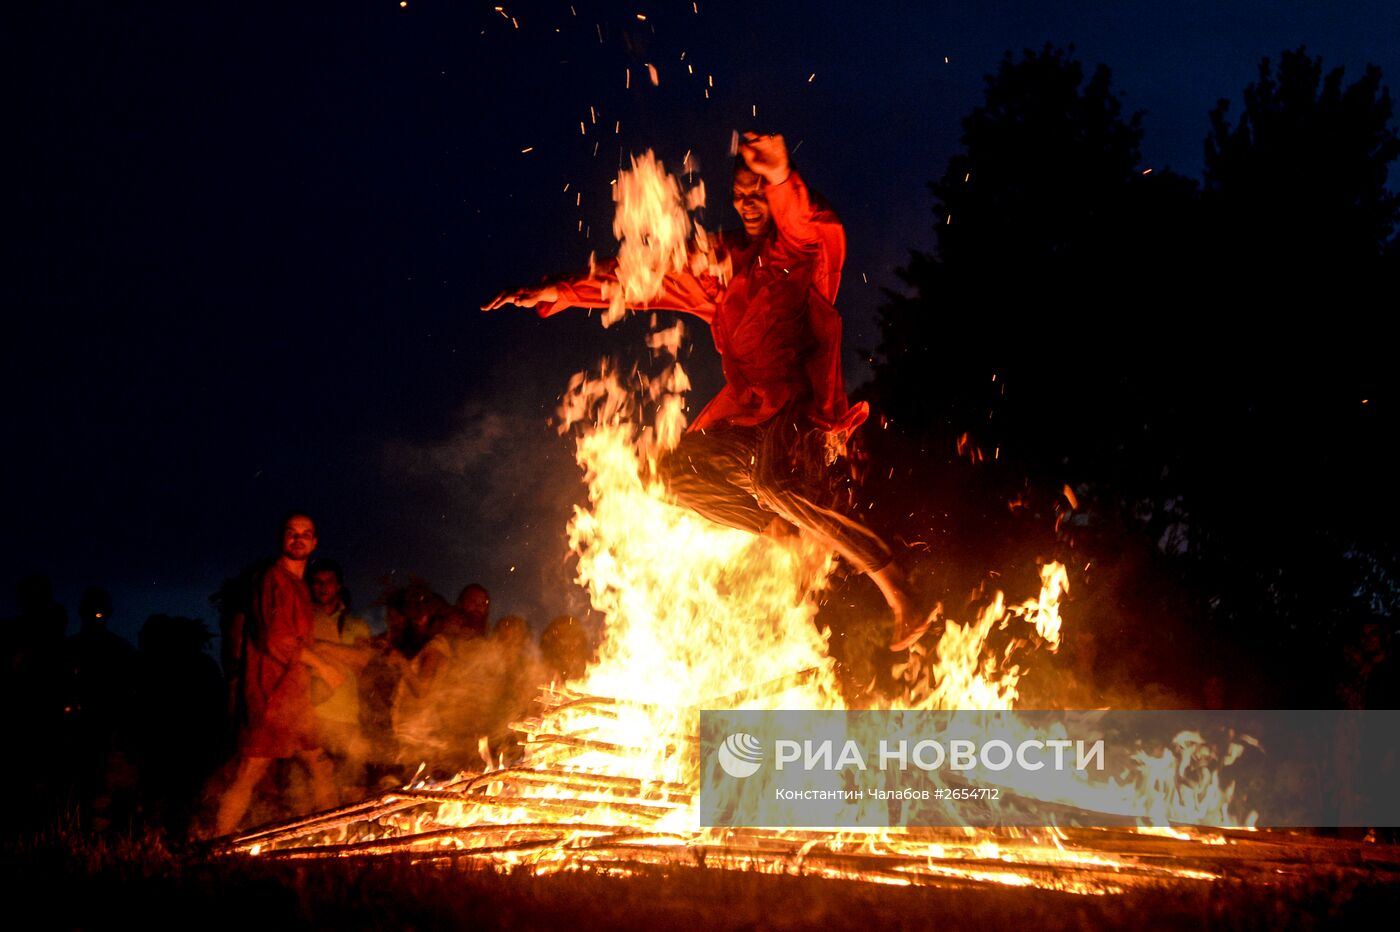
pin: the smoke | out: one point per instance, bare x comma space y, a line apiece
479, 436
459, 716
489, 502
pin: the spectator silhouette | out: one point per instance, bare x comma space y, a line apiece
34, 693
379, 681
234, 602
101, 679
565, 649
475, 602
421, 704
338, 708
517, 678
179, 724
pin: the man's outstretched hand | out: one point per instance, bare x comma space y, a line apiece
523, 297
766, 156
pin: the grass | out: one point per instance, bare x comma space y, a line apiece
144, 881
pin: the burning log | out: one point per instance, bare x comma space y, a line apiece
771, 688
596, 703
585, 782
588, 744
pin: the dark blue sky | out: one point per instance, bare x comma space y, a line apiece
250, 241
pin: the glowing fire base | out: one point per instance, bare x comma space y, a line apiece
554, 814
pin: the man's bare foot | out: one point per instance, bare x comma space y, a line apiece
912, 617
909, 627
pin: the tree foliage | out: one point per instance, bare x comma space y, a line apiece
1046, 162
1087, 325
1298, 181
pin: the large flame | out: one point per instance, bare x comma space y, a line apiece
655, 226
697, 614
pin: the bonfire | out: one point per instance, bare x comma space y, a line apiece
700, 617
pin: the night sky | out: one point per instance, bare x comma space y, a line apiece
249, 242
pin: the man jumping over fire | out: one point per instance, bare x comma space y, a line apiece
756, 457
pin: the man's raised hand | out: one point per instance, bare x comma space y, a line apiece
523, 297
766, 155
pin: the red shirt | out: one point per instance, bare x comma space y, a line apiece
277, 716
774, 323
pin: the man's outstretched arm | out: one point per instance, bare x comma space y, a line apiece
680, 291
523, 297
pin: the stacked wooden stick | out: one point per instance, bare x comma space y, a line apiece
551, 813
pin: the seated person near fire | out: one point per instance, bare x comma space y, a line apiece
757, 455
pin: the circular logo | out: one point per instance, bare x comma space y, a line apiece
740, 755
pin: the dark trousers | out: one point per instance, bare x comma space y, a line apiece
742, 477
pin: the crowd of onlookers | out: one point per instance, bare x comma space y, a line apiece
310, 706
439, 687
106, 731
115, 735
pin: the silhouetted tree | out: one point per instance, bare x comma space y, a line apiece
1030, 345
1085, 324
1047, 231
1046, 161
1296, 185
1294, 542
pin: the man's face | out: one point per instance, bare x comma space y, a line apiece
325, 588
750, 203
298, 538
476, 604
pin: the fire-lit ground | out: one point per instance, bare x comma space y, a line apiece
547, 820
1325, 883
560, 814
